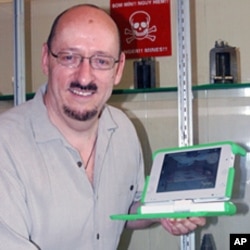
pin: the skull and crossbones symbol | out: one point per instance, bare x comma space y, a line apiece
139, 22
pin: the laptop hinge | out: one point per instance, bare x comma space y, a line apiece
182, 205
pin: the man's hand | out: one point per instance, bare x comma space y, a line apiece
182, 226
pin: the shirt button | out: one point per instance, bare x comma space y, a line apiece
131, 187
79, 164
98, 236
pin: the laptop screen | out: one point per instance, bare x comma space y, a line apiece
189, 170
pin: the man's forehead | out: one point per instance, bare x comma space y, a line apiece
85, 14
82, 17
87, 23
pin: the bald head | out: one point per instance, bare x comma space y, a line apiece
91, 14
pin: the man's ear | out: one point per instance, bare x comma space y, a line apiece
119, 70
45, 59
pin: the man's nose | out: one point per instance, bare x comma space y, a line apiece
85, 71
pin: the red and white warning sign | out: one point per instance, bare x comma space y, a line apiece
145, 27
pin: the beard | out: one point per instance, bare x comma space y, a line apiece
78, 115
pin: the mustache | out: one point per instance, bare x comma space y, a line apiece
90, 86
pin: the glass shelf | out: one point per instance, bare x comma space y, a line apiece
155, 90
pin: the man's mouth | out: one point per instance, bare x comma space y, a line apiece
80, 90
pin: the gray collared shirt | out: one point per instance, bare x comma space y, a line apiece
46, 200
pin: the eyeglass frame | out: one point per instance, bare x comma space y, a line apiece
82, 59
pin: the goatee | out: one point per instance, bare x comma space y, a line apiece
80, 116
77, 115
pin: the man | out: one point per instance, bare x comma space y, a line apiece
68, 160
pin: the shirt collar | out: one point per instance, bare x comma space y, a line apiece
44, 130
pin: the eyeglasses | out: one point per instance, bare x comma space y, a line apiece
71, 60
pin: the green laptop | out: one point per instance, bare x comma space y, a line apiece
189, 181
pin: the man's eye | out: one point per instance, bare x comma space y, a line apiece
67, 58
102, 61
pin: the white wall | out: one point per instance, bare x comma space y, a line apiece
6, 63
210, 20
